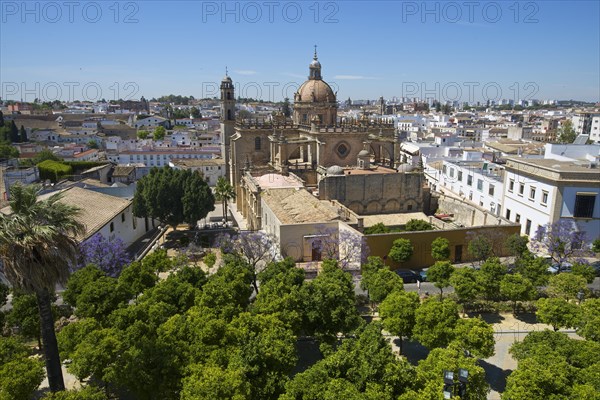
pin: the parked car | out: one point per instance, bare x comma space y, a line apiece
423, 275
564, 267
408, 276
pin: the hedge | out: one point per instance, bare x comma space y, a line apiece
54, 170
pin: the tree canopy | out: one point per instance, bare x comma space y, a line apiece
401, 251
440, 274
173, 196
20, 374
552, 365
440, 249
435, 321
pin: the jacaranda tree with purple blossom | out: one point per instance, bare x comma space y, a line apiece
346, 246
562, 240
110, 255
256, 248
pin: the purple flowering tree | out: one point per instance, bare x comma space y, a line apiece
561, 240
346, 246
110, 255
256, 248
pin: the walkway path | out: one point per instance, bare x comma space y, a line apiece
239, 219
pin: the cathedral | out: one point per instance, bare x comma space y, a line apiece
315, 144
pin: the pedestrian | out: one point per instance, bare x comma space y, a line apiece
419, 287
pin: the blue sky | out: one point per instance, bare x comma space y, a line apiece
447, 50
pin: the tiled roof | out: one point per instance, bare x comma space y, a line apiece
277, 181
123, 171
296, 206
96, 209
190, 162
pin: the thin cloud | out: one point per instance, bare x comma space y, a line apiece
245, 72
291, 74
353, 77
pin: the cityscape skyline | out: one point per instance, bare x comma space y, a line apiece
450, 51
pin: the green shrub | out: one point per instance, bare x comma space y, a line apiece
54, 170
418, 225
210, 259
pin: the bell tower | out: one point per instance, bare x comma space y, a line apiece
227, 118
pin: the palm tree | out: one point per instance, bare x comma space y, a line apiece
224, 192
37, 244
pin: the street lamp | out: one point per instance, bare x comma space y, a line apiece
452, 388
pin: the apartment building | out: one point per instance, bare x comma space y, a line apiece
542, 191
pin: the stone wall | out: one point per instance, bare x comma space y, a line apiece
467, 214
368, 194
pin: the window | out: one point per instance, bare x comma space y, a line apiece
451, 172
508, 214
257, 143
491, 190
460, 176
343, 150
444, 169
511, 185
518, 218
122, 217
112, 226
479, 184
521, 188
532, 193
584, 205
528, 227
544, 197
470, 180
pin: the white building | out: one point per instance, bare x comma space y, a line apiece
305, 226
586, 123
101, 213
211, 169
570, 152
477, 182
595, 129
542, 191
10, 176
160, 157
151, 122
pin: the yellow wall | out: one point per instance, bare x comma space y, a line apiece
381, 244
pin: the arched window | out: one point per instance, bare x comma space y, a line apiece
228, 95
229, 115
257, 143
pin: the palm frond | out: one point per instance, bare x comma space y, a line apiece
37, 241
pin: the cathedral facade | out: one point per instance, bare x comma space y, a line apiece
306, 146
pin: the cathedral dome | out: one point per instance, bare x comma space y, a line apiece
335, 170
316, 90
363, 153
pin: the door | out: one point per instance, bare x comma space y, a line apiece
316, 250
458, 253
